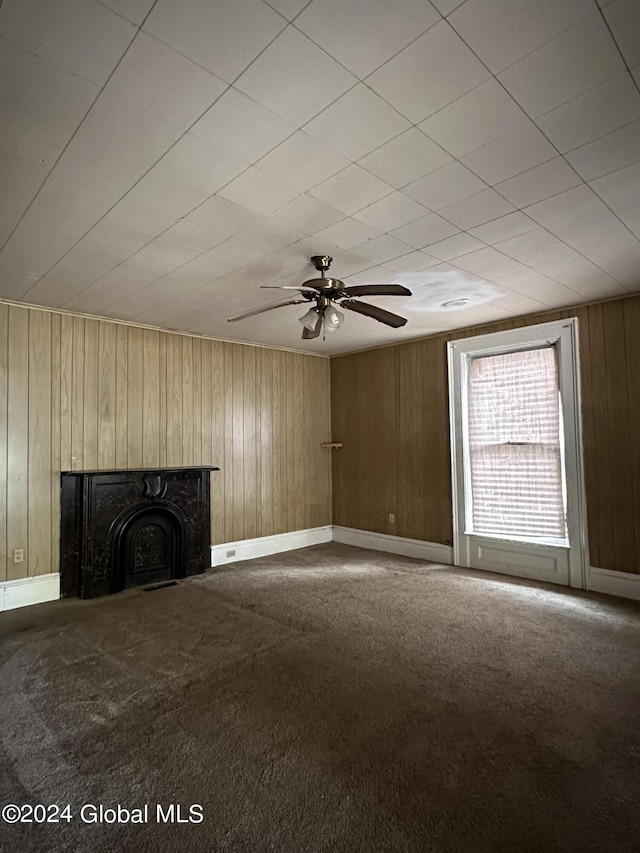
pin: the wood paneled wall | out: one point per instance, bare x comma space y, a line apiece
78, 393
390, 410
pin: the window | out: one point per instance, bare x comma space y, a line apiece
514, 443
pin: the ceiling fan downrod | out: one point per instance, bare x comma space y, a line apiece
321, 263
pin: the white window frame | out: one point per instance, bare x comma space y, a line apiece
563, 334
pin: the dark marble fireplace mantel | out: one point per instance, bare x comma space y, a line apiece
123, 526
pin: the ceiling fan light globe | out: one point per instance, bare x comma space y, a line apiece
333, 318
310, 319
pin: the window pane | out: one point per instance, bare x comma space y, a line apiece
514, 447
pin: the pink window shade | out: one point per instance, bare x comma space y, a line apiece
514, 445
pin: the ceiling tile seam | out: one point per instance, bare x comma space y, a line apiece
564, 243
495, 219
51, 61
455, 158
202, 67
159, 159
335, 101
555, 281
71, 138
550, 143
618, 48
362, 79
505, 287
69, 141
46, 178
114, 11
120, 263
297, 15
413, 127
460, 3
597, 139
390, 233
624, 73
610, 209
159, 278
152, 166
547, 138
508, 93
523, 263
530, 52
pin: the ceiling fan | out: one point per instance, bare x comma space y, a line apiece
325, 294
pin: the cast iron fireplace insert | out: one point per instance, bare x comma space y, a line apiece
133, 527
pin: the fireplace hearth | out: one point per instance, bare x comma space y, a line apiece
128, 528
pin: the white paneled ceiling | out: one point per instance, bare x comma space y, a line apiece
162, 159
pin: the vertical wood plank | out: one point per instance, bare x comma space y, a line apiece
600, 473
206, 438
237, 439
309, 444
55, 463
279, 444
265, 402
90, 448
321, 425
150, 398
229, 479
107, 333
66, 392
162, 399
249, 479
287, 441
4, 376
17, 440
197, 401
122, 395
187, 400
134, 398
300, 398
619, 443
174, 401
218, 478
631, 309
39, 436
77, 396
258, 451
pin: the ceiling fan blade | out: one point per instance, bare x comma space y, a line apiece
308, 334
302, 289
377, 290
266, 308
378, 314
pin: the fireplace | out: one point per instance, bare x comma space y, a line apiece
130, 528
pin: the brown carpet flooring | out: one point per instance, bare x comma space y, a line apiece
328, 699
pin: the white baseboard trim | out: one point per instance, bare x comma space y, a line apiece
623, 584
434, 552
247, 549
25, 591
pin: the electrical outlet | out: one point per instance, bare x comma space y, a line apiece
231, 553
392, 518
18, 555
